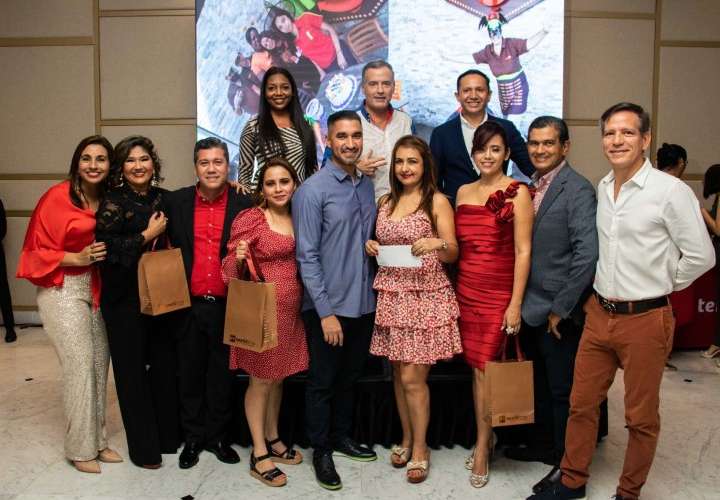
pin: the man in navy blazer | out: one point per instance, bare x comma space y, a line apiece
451, 142
564, 256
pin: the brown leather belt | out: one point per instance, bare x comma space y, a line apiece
631, 307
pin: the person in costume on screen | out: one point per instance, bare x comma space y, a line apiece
503, 56
317, 40
279, 129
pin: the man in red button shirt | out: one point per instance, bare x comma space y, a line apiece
200, 218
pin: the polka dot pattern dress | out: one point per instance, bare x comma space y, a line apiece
274, 253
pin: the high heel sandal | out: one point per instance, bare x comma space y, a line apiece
289, 457
480, 480
402, 453
711, 352
273, 477
470, 460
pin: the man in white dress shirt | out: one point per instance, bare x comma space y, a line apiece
382, 124
652, 241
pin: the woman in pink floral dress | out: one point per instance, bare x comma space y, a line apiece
416, 316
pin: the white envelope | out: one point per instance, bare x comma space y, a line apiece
397, 256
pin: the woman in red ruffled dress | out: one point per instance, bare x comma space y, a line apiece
493, 221
266, 233
416, 315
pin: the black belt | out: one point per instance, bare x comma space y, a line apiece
631, 306
209, 298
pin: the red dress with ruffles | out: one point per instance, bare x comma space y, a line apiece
486, 269
57, 226
274, 253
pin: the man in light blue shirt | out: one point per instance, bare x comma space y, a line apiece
333, 215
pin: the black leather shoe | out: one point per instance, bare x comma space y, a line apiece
10, 336
559, 492
530, 454
189, 455
325, 472
223, 452
548, 481
348, 448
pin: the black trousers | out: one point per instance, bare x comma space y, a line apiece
553, 366
204, 368
5, 299
333, 371
144, 363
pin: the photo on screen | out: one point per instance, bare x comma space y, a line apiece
519, 44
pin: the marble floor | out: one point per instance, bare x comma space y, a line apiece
687, 464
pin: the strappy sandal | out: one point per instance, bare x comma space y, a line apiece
289, 457
402, 453
711, 352
273, 477
470, 460
421, 465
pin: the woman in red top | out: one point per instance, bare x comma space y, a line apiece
266, 232
493, 221
58, 256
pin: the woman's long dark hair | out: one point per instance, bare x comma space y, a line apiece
428, 183
76, 190
269, 140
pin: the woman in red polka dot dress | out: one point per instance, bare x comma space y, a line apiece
266, 232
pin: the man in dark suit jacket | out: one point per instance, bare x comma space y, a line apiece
565, 252
199, 219
451, 142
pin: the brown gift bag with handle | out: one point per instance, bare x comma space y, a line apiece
509, 390
162, 284
251, 312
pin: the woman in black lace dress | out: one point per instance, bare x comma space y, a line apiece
142, 349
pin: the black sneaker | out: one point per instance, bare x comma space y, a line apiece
348, 448
559, 492
325, 473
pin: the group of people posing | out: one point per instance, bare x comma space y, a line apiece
584, 279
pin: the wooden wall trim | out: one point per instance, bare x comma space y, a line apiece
693, 44
147, 13
128, 122
656, 78
18, 213
592, 14
32, 177
96, 65
52, 41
